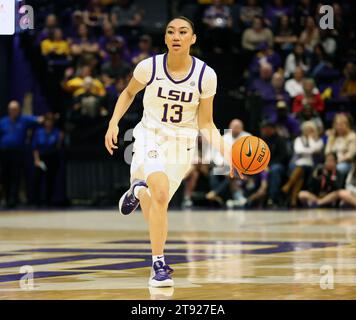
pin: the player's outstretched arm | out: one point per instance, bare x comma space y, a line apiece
211, 133
122, 105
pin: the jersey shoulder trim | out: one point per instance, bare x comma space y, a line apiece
153, 70
201, 78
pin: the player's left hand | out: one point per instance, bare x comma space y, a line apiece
232, 173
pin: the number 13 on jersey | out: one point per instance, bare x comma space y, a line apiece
177, 111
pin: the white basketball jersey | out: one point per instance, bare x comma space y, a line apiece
172, 105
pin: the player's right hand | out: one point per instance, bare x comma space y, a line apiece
111, 137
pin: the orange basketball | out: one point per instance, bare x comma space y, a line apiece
250, 155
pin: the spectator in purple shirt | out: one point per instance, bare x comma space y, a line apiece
218, 20
265, 54
262, 84
50, 25
249, 11
108, 40
270, 91
275, 11
287, 126
143, 51
84, 47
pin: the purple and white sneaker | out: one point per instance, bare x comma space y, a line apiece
128, 202
160, 276
168, 269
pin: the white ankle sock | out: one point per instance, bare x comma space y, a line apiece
137, 190
158, 258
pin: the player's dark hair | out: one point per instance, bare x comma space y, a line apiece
191, 23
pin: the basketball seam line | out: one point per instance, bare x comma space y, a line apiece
258, 144
242, 148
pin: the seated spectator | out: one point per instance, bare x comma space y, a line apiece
262, 85
83, 46
347, 196
348, 89
279, 159
143, 51
219, 176
108, 40
321, 67
87, 104
13, 133
71, 30
257, 34
305, 148
55, 47
285, 37
249, 11
218, 21
341, 20
309, 97
277, 93
116, 67
287, 125
76, 84
274, 11
201, 167
294, 86
256, 188
113, 92
324, 180
328, 42
297, 58
46, 143
95, 16
51, 24
309, 114
302, 10
310, 35
126, 17
264, 55
342, 141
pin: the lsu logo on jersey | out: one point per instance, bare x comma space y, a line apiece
175, 95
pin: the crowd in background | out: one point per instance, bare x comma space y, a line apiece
299, 72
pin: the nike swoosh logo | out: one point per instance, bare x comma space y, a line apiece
159, 78
248, 154
159, 257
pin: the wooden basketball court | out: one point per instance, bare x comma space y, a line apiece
215, 254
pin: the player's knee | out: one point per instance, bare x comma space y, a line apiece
343, 194
301, 195
160, 196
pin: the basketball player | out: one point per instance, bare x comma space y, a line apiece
178, 101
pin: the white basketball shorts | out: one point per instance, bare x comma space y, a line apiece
155, 152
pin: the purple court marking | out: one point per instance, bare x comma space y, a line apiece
37, 275
174, 256
217, 242
35, 262
171, 259
279, 247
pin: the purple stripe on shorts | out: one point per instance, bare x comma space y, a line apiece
153, 70
201, 77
